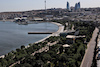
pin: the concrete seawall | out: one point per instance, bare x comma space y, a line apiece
61, 29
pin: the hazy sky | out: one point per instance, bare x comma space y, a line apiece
24, 5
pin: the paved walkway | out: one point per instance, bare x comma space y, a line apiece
61, 29
46, 48
88, 57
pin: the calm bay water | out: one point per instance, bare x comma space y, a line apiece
12, 35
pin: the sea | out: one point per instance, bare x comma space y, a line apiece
13, 35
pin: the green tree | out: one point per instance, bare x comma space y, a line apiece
22, 47
18, 50
61, 49
46, 57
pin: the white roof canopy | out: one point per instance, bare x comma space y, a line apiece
72, 36
66, 45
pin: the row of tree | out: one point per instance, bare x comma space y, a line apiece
57, 57
20, 53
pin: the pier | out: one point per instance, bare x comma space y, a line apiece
40, 32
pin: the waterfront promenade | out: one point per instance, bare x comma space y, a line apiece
61, 29
88, 57
46, 48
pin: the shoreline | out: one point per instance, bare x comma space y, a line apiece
60, 29
11, 20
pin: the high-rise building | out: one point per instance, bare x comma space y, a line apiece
78, 5
68, 7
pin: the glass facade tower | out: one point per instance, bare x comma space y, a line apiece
78, 5
68, 7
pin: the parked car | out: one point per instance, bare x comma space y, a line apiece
99, 49
98, 57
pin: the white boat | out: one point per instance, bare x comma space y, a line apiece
21, 21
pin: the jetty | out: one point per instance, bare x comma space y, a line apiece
40, 32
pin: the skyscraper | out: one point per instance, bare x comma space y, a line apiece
68, 7
78, 5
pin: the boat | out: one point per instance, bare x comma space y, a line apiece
21, 21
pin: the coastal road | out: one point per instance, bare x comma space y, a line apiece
88, 57
98, 63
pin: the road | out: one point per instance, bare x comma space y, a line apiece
88, 57
98, 61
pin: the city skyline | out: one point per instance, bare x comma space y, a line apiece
25, 5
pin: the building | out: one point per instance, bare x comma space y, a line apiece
38, 19
78, 5
68, 7
49, 16
64, 34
